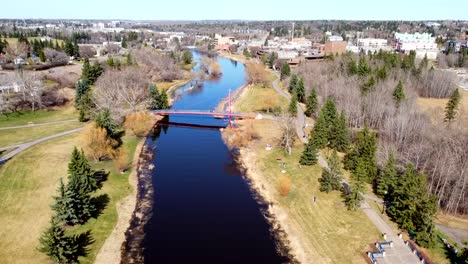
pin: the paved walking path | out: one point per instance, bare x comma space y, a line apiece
40, 124
21, 147
400, 253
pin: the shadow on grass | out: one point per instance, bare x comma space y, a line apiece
82, 241
101, 176
100, 203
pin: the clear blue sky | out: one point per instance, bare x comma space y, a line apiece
237, 9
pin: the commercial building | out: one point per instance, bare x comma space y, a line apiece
334, 47
406, 42
372, 44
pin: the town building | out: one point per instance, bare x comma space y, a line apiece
220, 40
406, 42
334, 47
372, 44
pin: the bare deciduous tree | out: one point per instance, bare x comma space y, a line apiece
287, 123
55, 57
87, 52
122, 92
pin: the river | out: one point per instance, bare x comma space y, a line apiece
203, 210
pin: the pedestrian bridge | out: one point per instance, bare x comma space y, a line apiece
216, 114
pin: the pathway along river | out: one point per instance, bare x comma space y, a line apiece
203, 210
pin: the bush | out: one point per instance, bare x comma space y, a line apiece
97, 144
139, 123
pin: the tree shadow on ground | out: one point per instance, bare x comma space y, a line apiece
101, 176
82, 241
100, 203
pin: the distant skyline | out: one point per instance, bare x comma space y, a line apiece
239, 9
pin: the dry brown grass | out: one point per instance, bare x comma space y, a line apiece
324, 232
435, 109
460, 222
28, 183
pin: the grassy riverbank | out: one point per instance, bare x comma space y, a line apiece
324, 231
29, 181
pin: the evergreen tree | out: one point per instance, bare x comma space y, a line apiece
320, 132
352, 68
412, 207
382, 73
187, 57
154, 97
292, 83
292, 109
285, 70
85, 70
364, 150
271, 59
69, 48
331, 176
369, 85
104, 120
354, 198
62, 204
399, 93
311, 104
363, 68
55, 244
82, 87
452, 105
80, 168
164, 101
387, 178
300, 90
309, 155
124, 42
76, 50
42, 56
339, 136
94, 72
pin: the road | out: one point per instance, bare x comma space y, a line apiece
24, 146
400, 253
39, 124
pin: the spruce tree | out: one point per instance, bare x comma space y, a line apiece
94, 72
61, 204
154, 97
320, 131
364, 149
285, 71
59, 247
85, 70
42, 56
309, 155
387, 178
331, 176
452, 105
354, 198
187, 57
339, 136
300, 90
82, 87
363, 68
311, 104
292, 109
292, 83
399, 93
163, 101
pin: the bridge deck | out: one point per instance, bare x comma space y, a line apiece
203, 113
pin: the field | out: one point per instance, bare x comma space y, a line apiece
325, 231
11, 137
41, 116
260, 99
435, 109
13, 41
28, 183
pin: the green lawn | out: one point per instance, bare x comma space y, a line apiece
41, 116
29, 181
328, 231
116, 187
21, 135
261, 99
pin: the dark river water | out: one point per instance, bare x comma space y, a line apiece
203, 210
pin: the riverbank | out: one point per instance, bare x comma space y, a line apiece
110, 251
323, 231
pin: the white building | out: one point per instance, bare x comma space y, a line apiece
417, 41
372, 44
335, 38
